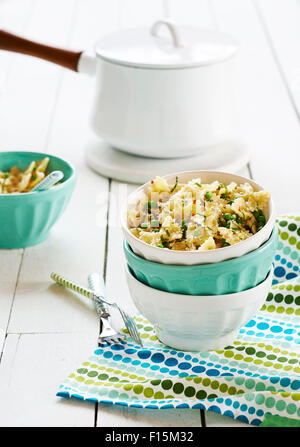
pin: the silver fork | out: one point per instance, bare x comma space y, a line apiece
107, 333
129, 321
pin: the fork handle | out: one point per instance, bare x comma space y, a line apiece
76, 287
96, 284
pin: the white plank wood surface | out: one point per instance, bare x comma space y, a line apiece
14, 15
9, 259
31, 370
10, 262
45, 331
270, 125
280, 21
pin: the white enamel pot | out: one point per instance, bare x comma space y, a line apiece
167, 91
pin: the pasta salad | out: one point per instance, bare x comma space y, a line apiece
197, 216
17, 181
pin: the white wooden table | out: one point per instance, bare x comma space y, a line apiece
46, 332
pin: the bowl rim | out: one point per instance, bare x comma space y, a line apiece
192, 252
58, 187
209, 266
168, 295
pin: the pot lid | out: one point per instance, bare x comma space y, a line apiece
166, 45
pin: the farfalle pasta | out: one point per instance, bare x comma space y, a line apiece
17, 181
195, 216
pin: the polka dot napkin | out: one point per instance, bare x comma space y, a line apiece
258, 376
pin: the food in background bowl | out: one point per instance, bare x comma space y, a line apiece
15, 180
197, 216
237, 217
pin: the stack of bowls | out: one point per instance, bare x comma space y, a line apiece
198, 300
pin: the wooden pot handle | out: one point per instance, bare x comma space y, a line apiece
66, 58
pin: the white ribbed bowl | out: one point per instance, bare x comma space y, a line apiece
166, 256
197, 323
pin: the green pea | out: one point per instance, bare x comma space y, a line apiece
208, 195
154, 223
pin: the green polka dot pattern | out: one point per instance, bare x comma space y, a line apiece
257, 376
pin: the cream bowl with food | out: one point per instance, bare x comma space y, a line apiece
197, 217
26, 215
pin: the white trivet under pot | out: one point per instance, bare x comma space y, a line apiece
110, 162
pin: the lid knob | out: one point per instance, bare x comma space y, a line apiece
173, 29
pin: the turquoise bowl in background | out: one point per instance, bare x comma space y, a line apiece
26, 218
231, 276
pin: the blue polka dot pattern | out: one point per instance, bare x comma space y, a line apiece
157, 358
117, 347
144, 354
184, 365
279, 272
171, 362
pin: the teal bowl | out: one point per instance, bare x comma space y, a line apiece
26, 219
231, 276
